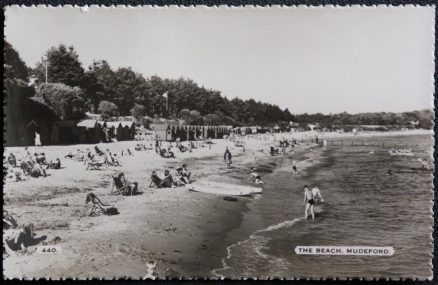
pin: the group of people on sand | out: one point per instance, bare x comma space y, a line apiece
169, 151
179, 178
17, 238
95, 158
30, 165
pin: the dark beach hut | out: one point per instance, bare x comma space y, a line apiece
89, 131
128, 132
115, 130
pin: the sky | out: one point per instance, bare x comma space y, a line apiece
308, 59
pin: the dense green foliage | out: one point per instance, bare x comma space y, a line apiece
66, 101
14, 67
138, 112
108, 109
423, 119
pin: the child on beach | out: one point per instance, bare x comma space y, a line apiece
294, 168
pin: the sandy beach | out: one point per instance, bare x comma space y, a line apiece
183, 231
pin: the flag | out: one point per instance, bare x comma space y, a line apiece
165, 94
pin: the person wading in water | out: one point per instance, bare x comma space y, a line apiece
308, 201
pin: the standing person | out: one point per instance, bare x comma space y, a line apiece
317, 193
37, 140
294, 167
308, 201
227, 157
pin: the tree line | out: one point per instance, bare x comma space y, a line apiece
419, 119
72, 89
63, 84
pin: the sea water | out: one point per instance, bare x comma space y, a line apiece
371, 199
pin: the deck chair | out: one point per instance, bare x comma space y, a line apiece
99, 207
119, 188
155, 181
93, 165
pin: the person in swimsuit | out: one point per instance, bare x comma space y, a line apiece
317, 194
308, 201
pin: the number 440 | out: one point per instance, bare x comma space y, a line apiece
49, 249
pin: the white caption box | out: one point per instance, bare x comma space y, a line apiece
345, 250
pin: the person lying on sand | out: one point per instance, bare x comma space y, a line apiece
16, 238
13, 175
54, 164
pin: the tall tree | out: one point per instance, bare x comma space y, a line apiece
14, 67
63, 66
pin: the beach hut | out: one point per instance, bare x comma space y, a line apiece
115, 130
104, 131
89, 131
128, 132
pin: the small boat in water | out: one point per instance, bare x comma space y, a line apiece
401, 152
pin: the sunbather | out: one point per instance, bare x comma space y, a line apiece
123, 186
54, 164
155, 180
16, 237
99, 206
12, 160
93, 164
98, 151
37, 171
185, 173
165, 182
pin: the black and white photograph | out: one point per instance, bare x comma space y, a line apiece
153, 142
